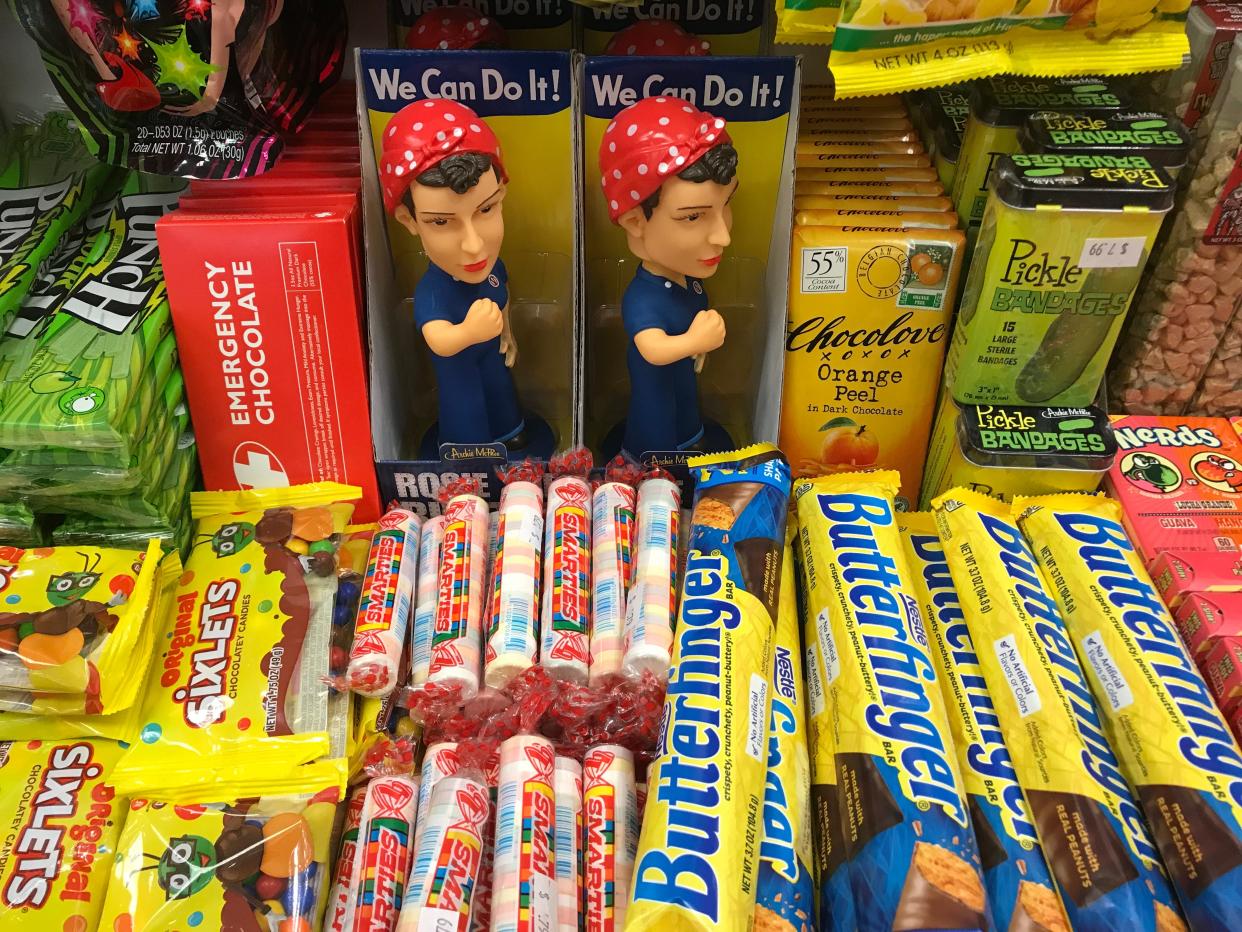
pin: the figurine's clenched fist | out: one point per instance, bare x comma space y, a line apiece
707, 331
484, 320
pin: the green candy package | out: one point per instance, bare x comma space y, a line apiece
88, 365
48, 180
87, 530
19, 527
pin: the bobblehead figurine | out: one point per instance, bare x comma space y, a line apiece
444, 181
668, 172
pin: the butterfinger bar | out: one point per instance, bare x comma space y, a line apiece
1020, 888
1172, 742
914, 862
698, 852
1062, 759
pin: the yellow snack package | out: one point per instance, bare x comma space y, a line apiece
868, 316
786, 887
255, 864
61, 819
817, 197
698, 853
890, 219
240, 686
832, 873
1173, 743
116, 726
73, 620
914, 863
806, 22
1094, 836
832, 148
882, 189
855, 174
882, 44
855, 158
1021, 891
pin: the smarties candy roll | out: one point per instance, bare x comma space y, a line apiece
612, 817
339, 917
612, 564
524, 860
1020, 888
513, 631
387, 601
457, 628
914, 863
698, 855
439, 761
446, 865
1095, 838
786, 894
385, 834
568, 786
652, 603
425, 599
567, 580
1170, 738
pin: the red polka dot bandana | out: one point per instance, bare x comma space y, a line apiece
649, 141
424, 134
656, 37
455, 27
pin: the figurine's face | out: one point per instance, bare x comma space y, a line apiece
689, 229
461, 233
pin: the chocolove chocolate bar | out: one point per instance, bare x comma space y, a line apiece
914, 862
697, 863
1174, 745
1020, 889
1093, 834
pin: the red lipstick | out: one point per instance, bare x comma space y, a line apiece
476, 266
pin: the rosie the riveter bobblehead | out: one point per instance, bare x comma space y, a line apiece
444, 181
668, 172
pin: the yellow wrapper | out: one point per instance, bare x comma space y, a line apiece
1173, 744
61, 819
74, 620
1092, 833
115, 726
913, 857
786, 896
239, 690
1020, 888
245, 865
697, 861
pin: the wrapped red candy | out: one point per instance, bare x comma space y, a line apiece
656, 37
455, 27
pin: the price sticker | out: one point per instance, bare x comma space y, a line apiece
1112, 252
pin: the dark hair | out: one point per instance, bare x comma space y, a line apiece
718, 164
460, 172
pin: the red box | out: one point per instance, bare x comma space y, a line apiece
1179, 573
1201, 619
1222, 666
1235, 722
265, 307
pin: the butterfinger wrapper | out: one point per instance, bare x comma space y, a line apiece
942, 892
718, 686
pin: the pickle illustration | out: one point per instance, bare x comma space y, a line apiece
1074, 339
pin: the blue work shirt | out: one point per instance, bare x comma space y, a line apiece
478, 403
664, 400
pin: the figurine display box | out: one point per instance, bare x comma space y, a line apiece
728, 27
528, 122
683, 107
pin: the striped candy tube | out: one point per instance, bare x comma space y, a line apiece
652, 606
384, 610
425, 599
567, 579
457, 633
439, 761
612, 826
481, 909
513, 634
339, 917
386, 827
568, 787
524, 871
612, 565
446, 865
